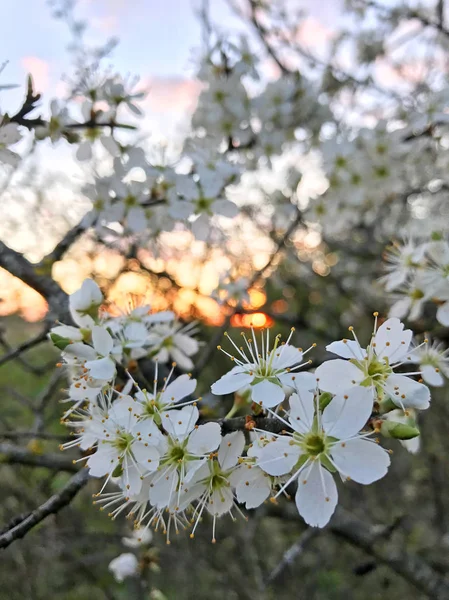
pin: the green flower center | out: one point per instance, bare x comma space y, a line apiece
177, 454
314, 444
123, 442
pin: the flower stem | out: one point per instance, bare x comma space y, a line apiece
233, 411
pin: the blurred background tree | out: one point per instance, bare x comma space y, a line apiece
326, 127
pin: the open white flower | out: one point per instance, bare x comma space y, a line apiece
262, 368
152, 404
212, 485
186, 448
401, 262
433, 360
322, 443
175, 342
374, 367
127, 448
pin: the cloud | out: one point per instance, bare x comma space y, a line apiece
312, 33
171, 94
39, 69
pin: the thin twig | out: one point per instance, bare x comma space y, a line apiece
35, 341
51, 506
292, 553
11, 454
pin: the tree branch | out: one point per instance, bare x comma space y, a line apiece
292, 553
410, 567
35, 341
11, 454
61, 247
16, 264
51, 506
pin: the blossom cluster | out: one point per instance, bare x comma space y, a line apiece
100, 344
257, 126
417, 273
171, 467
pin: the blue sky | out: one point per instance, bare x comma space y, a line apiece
157, 42
156, 37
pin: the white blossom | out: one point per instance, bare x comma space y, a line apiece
374, 367
263, 368
323, 443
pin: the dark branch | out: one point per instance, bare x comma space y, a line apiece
10, 454
16, 264
292, 553
371, 539
38, 339
51, 506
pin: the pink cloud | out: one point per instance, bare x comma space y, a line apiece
39, 69
171, 94
407, 73
312, 33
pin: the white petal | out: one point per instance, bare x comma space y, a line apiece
317, 496
187, 344
163, 486
225, 208
267, 394
193, 471
347, 413
102, 341
443, 314
178, 389
299, 381
337, 376
220, 501
68, 332
122, 416
391, 340
347, 349
286, 356
181, 359
231, 382
412, 445
84, 151
231, 449
362, 460
136, 219
110, 145
302, 410
254, 487
149, 432
179, 423
131, 478
205, 439
147, 456
103, 368
279, 457
400, 308
404, 391
103, 461
79, 352
432, 376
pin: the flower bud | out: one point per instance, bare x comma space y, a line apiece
59, 341
399, 431
325, 399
